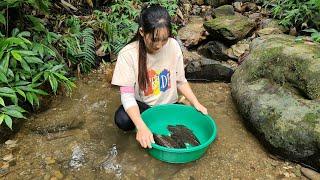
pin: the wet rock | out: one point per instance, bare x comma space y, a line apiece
110, 163
310, 174
277, 91
56, 120
186, 8
208, 70
214, 50
255, 17
238, 49
196, 10
229, 28
10, 144
7, 157
189, 56
77, 158
217, 3
193, 32
238, 7
198, 2
293, 31
271, 23
249, 6
268, 31
225, 10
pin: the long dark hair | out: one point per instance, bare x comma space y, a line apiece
151, 18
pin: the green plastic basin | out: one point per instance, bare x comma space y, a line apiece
159, 117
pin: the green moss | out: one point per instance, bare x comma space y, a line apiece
232, 27
312, 118
284, 61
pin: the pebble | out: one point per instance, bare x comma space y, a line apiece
58, 174
50, 160
4, 168
8, 157
309, 173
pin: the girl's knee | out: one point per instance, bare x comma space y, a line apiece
122, 120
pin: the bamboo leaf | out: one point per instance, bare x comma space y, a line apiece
16, 55
3, 78
53, 83
30, 98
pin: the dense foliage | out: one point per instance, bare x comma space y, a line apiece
297, 13
40, 47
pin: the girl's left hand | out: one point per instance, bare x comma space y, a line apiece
201, 108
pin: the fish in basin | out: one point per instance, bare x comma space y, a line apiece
168, 141
184, 134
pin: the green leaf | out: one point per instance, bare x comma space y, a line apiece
6, 90
27, 53
37, 77
36, 99
21, 83
1, 118
19, 91
14, 113
14, 107
24, 34
3, 78
5, 62
39, 91
33, 60
8, 121
37, 24
60, 76
2, 21
46, 75
2, 102
16, 55
30, 98
57, 67
53, 83
25, 66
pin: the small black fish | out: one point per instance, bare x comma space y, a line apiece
167, 141
183, 133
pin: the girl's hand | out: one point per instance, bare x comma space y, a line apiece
144, 137
201, 108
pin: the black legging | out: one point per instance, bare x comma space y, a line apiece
122, 119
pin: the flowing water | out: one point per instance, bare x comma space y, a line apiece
77, 139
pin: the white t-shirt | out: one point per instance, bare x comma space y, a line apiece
165, 72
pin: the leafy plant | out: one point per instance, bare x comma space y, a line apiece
315, 35
24, 67
122, 24
80, 48
295, 12
41, 5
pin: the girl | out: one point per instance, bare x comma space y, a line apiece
149, 72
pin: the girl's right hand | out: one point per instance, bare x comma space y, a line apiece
144, 137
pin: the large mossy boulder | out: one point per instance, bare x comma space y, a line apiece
230, 28
277, 91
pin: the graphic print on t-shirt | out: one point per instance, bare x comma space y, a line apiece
159, 82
